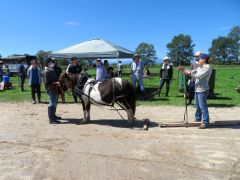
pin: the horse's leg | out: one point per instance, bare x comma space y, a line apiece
130, 113
131, 118
88, 111
84, 111
63, 97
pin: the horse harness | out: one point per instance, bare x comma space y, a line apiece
79, 89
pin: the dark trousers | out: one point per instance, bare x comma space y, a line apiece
73, 93
36, 88
191, 91
22, 80
120, 74
162, 82
1, 78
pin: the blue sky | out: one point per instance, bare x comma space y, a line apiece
27, 26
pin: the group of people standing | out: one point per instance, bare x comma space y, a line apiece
34, 76
198, 74
166, 72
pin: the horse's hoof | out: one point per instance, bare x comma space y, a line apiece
85, 122
131, 124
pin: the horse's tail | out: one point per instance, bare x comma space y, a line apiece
132, 97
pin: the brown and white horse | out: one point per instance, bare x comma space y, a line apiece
105, 93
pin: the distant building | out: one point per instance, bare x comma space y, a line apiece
13, 62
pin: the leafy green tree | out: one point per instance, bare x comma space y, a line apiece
41, 54
147, 53
234, 36
181, 49
220, 49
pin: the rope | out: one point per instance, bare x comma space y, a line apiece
150, 94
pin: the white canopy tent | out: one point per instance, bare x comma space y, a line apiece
95, 48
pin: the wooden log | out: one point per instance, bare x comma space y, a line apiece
179, 124
196, 124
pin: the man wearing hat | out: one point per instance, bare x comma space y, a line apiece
100, 70
166, 73
51, 84
202, 75
191, 82
73, 70
137, 72
74, 67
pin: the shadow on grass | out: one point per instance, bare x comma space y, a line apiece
155, 99
221, 98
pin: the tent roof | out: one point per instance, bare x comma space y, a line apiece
95, 48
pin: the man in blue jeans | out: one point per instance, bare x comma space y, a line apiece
202, 75
51, 83
137, 72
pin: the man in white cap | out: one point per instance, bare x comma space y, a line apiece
166, 73
191, 82
100, 70
198, 53
137, 72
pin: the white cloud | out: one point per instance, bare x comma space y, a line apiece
72, 23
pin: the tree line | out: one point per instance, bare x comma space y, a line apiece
223, 50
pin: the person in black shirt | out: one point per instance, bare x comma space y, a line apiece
21, 74
51, 84
57, 69
166, 73
73, 70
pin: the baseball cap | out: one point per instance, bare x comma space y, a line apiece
166, 58
198, 53
136, 55
203, 56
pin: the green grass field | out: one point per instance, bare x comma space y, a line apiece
227, 79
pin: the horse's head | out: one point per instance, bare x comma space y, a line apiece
66, 82
82, 79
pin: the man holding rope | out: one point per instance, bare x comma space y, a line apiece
201, 75
51, 83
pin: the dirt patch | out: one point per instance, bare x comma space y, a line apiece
30, 148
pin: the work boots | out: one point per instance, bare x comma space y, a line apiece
51, 115
56, 117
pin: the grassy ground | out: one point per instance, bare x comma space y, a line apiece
227, 79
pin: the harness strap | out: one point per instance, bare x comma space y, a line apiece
113, 80
92, 83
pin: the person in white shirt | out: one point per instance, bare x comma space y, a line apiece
119, 69
137, 72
